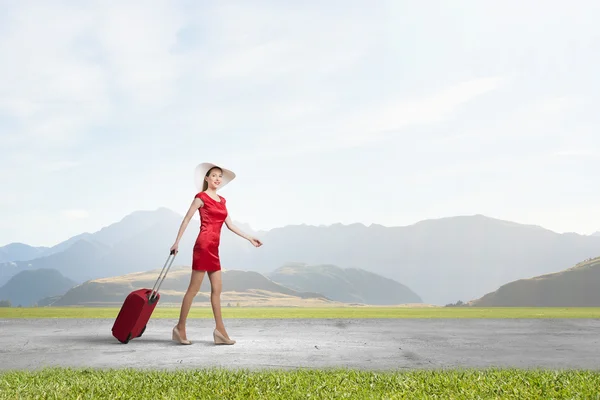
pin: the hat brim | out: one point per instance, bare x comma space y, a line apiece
203, 168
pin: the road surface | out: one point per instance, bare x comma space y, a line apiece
374, 344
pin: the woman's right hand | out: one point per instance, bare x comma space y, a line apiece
174, 249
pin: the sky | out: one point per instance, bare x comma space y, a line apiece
386, 112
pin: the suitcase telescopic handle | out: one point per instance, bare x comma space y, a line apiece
159, 281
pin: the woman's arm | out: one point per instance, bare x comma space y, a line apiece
237, 231
196, 204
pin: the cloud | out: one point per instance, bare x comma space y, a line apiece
425, 109
76, 73
591, 153
78, 64
50, 92
520, 126
554, 104
376, 122
138, 45
75, 214
81, 71
268, 44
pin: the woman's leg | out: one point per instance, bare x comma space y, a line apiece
186, 304
216, 285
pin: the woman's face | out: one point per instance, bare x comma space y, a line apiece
214, 178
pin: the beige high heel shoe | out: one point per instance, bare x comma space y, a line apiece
220, 339
177, 337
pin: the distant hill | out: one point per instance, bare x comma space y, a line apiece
101, 254
238, 286
20, 252
28, 287
348, 285
63, 246
76, 262
577, 286
25, 252
134, 224
443, 260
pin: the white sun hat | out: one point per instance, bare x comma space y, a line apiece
203, 168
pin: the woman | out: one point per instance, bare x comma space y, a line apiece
213, 212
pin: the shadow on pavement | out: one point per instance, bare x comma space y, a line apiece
110, 340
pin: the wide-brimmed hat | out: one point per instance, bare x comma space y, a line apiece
203, 168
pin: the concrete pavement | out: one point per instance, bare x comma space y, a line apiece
376, 344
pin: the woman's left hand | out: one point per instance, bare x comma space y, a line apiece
255, 242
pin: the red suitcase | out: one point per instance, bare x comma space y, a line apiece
138, 307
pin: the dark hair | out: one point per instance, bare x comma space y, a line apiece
205, 184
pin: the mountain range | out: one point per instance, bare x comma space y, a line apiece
439, 260
348, 285
48, 287
238, 286
27, 287
576, 286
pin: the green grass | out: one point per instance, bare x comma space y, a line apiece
300, 312
64, 383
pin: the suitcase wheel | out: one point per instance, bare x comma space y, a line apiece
126, 340
142, 332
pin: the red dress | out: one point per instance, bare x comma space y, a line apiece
206, 248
